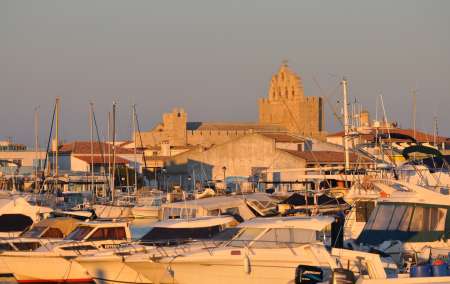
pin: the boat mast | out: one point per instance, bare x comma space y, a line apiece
414, 112
113, 151
57, 137
135, 146
108, 140
36, 146
346, 125
91, 126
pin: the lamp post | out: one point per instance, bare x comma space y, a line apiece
189, 183
224, 169
164, 178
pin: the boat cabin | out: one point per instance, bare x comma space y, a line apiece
409, 214
212, 206
282, 232
47, 231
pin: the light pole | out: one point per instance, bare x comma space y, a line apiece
164, 179
224, 169
189, 183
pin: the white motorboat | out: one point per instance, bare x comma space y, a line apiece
169, 237
265, 250
408, 221
55, 262
16, 215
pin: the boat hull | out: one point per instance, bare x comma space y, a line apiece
110, 270
45, 269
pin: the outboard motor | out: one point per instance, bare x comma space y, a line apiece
337, 231
342, 276
306, 274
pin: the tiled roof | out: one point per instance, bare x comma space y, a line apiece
420, 136
326, 156
84, 147
284, 137
99, 160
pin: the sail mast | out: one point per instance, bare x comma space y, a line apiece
113, 152
91, 126
57, 137
36, 146
135, 146
346, 125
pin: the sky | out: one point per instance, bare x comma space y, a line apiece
215, 59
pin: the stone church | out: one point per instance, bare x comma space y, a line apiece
285, 110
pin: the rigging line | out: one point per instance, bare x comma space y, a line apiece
327, 99
48, 147
140, 136
99, 143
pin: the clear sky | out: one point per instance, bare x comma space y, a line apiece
215, 59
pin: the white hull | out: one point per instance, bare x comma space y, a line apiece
230, 266
111, 270
44, 268
145, 212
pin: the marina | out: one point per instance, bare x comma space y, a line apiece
173, 143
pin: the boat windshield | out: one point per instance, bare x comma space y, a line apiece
245, 236
275, 238
405, 222
413, 218
34, 232
79, 233
166, 235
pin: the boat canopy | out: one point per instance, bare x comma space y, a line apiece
178, 229
297, 199
434, 163
394, 136
420, 149
212, 206
64, 224
195, 223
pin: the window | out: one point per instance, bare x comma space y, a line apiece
115, 233
404, 224
246, 236
383, 218
363, 210
24, 246
285, 237
417, 223
397, 217
34, 232
53, 233
428, 219
79, 233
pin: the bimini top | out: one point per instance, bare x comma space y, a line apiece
208, 203
200, 222
64, 224
317, 223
